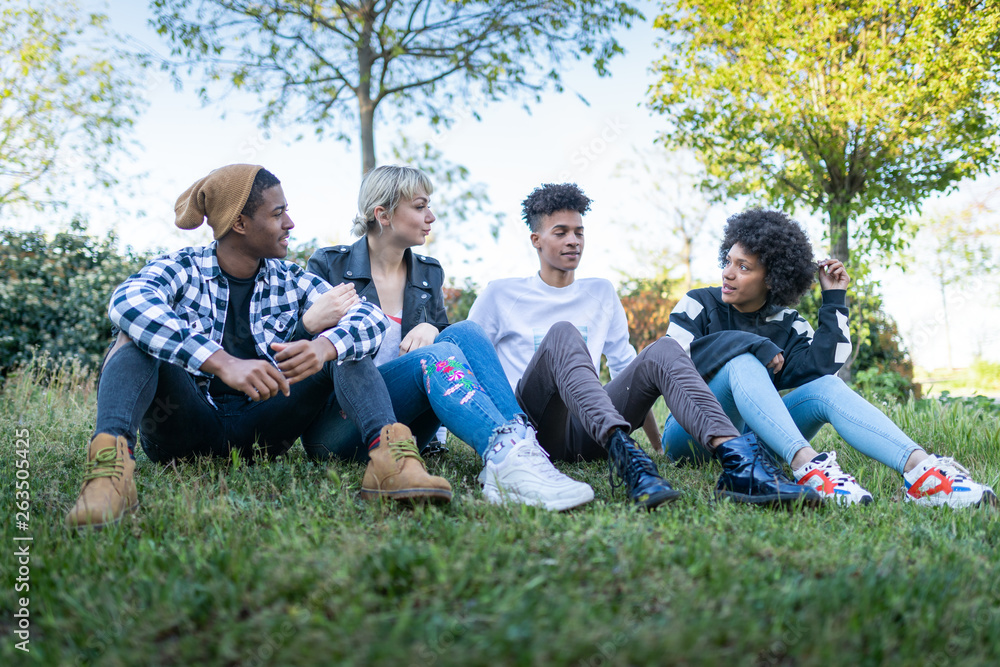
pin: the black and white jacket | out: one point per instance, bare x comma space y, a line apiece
713, 333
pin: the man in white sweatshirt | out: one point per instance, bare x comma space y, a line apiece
550, 331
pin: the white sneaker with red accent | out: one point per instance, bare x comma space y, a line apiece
939, 480
824, 476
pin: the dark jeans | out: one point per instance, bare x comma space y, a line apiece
562, 394
176, 420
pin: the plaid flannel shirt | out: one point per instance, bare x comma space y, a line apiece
175, 308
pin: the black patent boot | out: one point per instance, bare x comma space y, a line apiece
750, 475
634, 468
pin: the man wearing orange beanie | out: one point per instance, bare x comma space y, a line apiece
201, 364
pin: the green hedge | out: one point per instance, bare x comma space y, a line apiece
54, 293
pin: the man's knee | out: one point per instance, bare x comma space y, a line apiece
561, 335
120, 342
827, 384
665, 350
460, 330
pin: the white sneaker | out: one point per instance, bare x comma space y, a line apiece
825, 477
939, 480
527, 476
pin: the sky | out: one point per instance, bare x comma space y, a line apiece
511, 151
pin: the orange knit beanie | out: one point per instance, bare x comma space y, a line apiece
219, 197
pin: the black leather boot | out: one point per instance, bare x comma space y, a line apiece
750, 475
642, 480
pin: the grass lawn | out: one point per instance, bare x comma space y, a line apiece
281, 563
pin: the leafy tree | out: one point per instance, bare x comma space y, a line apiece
67, 101
55, 292
857, 109
679, 197
308, 60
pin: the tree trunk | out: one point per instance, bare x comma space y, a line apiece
688, 260
367, 112
947, 327
366, 106
839, 236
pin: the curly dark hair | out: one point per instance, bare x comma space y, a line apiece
781, 246
551, 197
262, 181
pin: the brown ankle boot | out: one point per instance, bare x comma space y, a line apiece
108, 490
397, 471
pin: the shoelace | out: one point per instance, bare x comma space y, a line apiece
636, 463
952, 468
767, 462
834, 471
543, 465
405, 448
105, 464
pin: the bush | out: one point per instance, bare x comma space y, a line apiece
885, 386
878, 348
647, 303
54, 294
986, 374
458, 300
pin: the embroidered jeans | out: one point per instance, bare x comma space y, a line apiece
457, 381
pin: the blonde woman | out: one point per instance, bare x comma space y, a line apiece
426, 372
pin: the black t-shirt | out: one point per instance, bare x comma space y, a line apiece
237, 338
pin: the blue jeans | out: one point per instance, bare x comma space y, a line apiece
175, 419
425, 388
786, 424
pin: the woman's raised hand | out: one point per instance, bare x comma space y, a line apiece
833, 275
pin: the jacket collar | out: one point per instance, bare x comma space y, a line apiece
359, 266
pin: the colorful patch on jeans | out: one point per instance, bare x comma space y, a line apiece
458, 374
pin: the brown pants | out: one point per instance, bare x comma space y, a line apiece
575, 414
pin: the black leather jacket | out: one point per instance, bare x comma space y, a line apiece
423, 298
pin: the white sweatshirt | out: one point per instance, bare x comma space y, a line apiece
516, 313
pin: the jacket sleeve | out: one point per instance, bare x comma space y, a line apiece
689, 322
359, 332
812, 354
143, 307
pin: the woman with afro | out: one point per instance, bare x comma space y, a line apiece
748, 343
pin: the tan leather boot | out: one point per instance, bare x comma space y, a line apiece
397, 471
108, 490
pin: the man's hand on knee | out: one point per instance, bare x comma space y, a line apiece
303, 358
256, 378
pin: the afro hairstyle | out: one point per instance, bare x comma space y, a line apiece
551, 197
780, 245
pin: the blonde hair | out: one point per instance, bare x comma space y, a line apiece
387, 186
